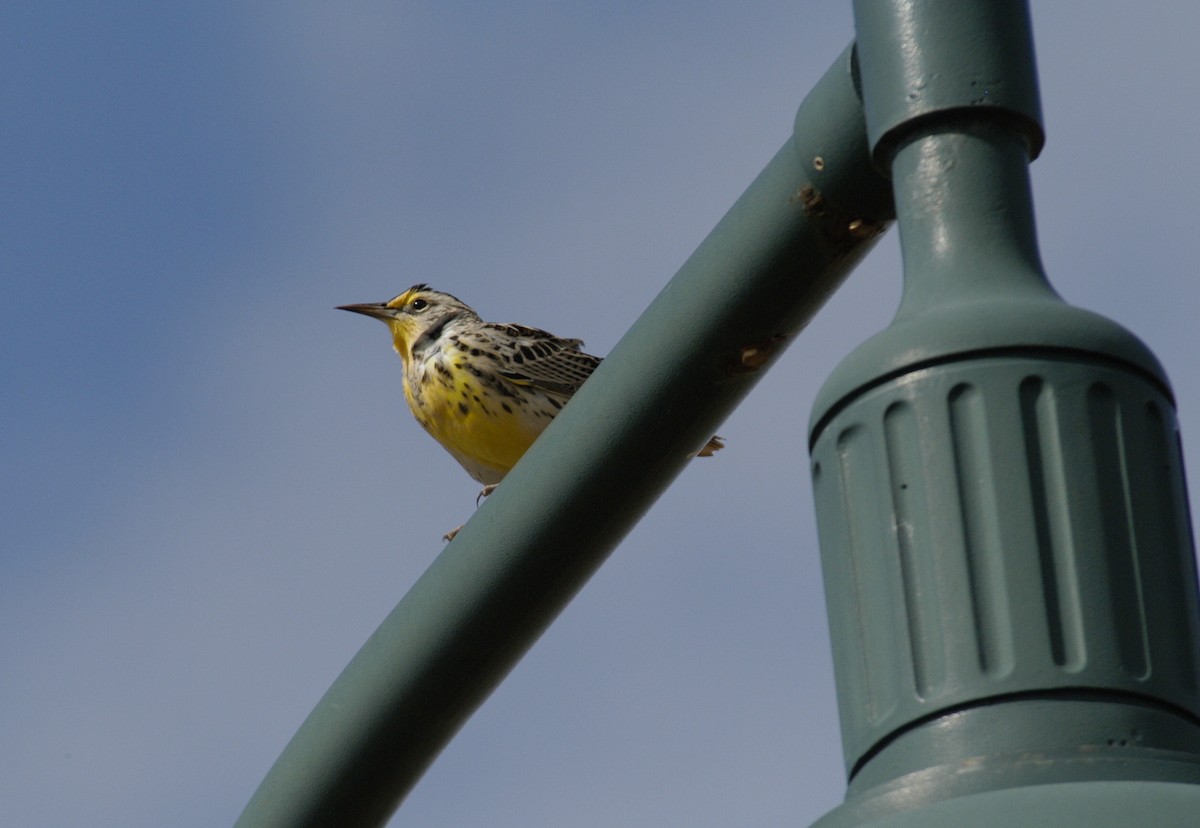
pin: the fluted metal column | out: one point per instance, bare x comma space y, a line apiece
1000, 492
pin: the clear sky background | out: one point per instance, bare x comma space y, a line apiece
211, 492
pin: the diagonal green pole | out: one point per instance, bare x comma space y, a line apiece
696, 351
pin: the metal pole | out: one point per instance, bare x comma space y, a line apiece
1000, 492
696, 351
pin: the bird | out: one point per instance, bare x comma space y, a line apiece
484, 391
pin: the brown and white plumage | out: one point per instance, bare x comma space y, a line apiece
485, 391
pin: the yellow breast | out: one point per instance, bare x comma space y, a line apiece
486, 432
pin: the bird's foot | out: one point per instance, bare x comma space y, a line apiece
484, 492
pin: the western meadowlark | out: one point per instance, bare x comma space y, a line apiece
484, 391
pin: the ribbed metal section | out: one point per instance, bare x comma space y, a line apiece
1005, 525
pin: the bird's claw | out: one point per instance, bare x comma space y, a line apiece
484, 492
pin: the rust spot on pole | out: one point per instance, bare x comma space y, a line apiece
753, 357
844, 231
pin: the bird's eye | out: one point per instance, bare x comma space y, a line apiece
419, 304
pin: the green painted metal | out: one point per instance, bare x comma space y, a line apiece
696, 351
1054, 805
932, 60
1001, 501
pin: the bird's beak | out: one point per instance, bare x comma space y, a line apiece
377, 310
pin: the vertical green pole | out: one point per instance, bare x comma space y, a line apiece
1001, 500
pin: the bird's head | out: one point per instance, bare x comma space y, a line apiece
415, 316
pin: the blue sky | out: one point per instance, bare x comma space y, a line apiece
212, 492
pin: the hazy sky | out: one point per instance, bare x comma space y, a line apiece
212, 492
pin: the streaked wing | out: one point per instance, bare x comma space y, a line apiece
544, 361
